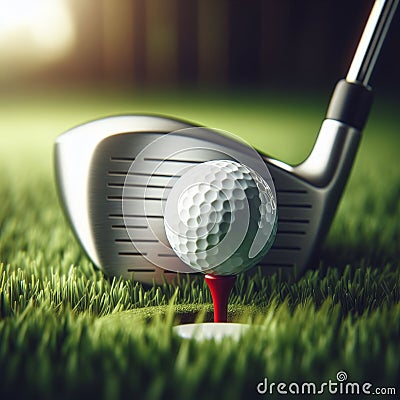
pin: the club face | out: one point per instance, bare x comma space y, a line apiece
92, 163
84, 166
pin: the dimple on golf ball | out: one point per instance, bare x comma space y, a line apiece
220, 217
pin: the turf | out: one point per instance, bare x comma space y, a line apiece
68, 331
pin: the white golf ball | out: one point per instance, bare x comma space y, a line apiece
220, 217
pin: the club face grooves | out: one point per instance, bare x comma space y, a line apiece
292, 246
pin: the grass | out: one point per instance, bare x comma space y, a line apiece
68, 331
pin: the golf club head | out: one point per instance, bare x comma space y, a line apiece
92, 162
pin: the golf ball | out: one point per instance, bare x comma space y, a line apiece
220, 217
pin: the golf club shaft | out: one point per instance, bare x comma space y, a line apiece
371, 41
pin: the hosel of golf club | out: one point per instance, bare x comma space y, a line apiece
332, 156
334, 151
326, 170
350, 104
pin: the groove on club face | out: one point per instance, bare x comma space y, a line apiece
299, 209
73, 155
92, 184
291, 248
143, 185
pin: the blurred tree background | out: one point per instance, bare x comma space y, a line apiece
262, 44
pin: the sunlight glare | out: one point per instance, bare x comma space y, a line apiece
34, 33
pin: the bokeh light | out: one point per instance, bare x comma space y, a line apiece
33, 34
